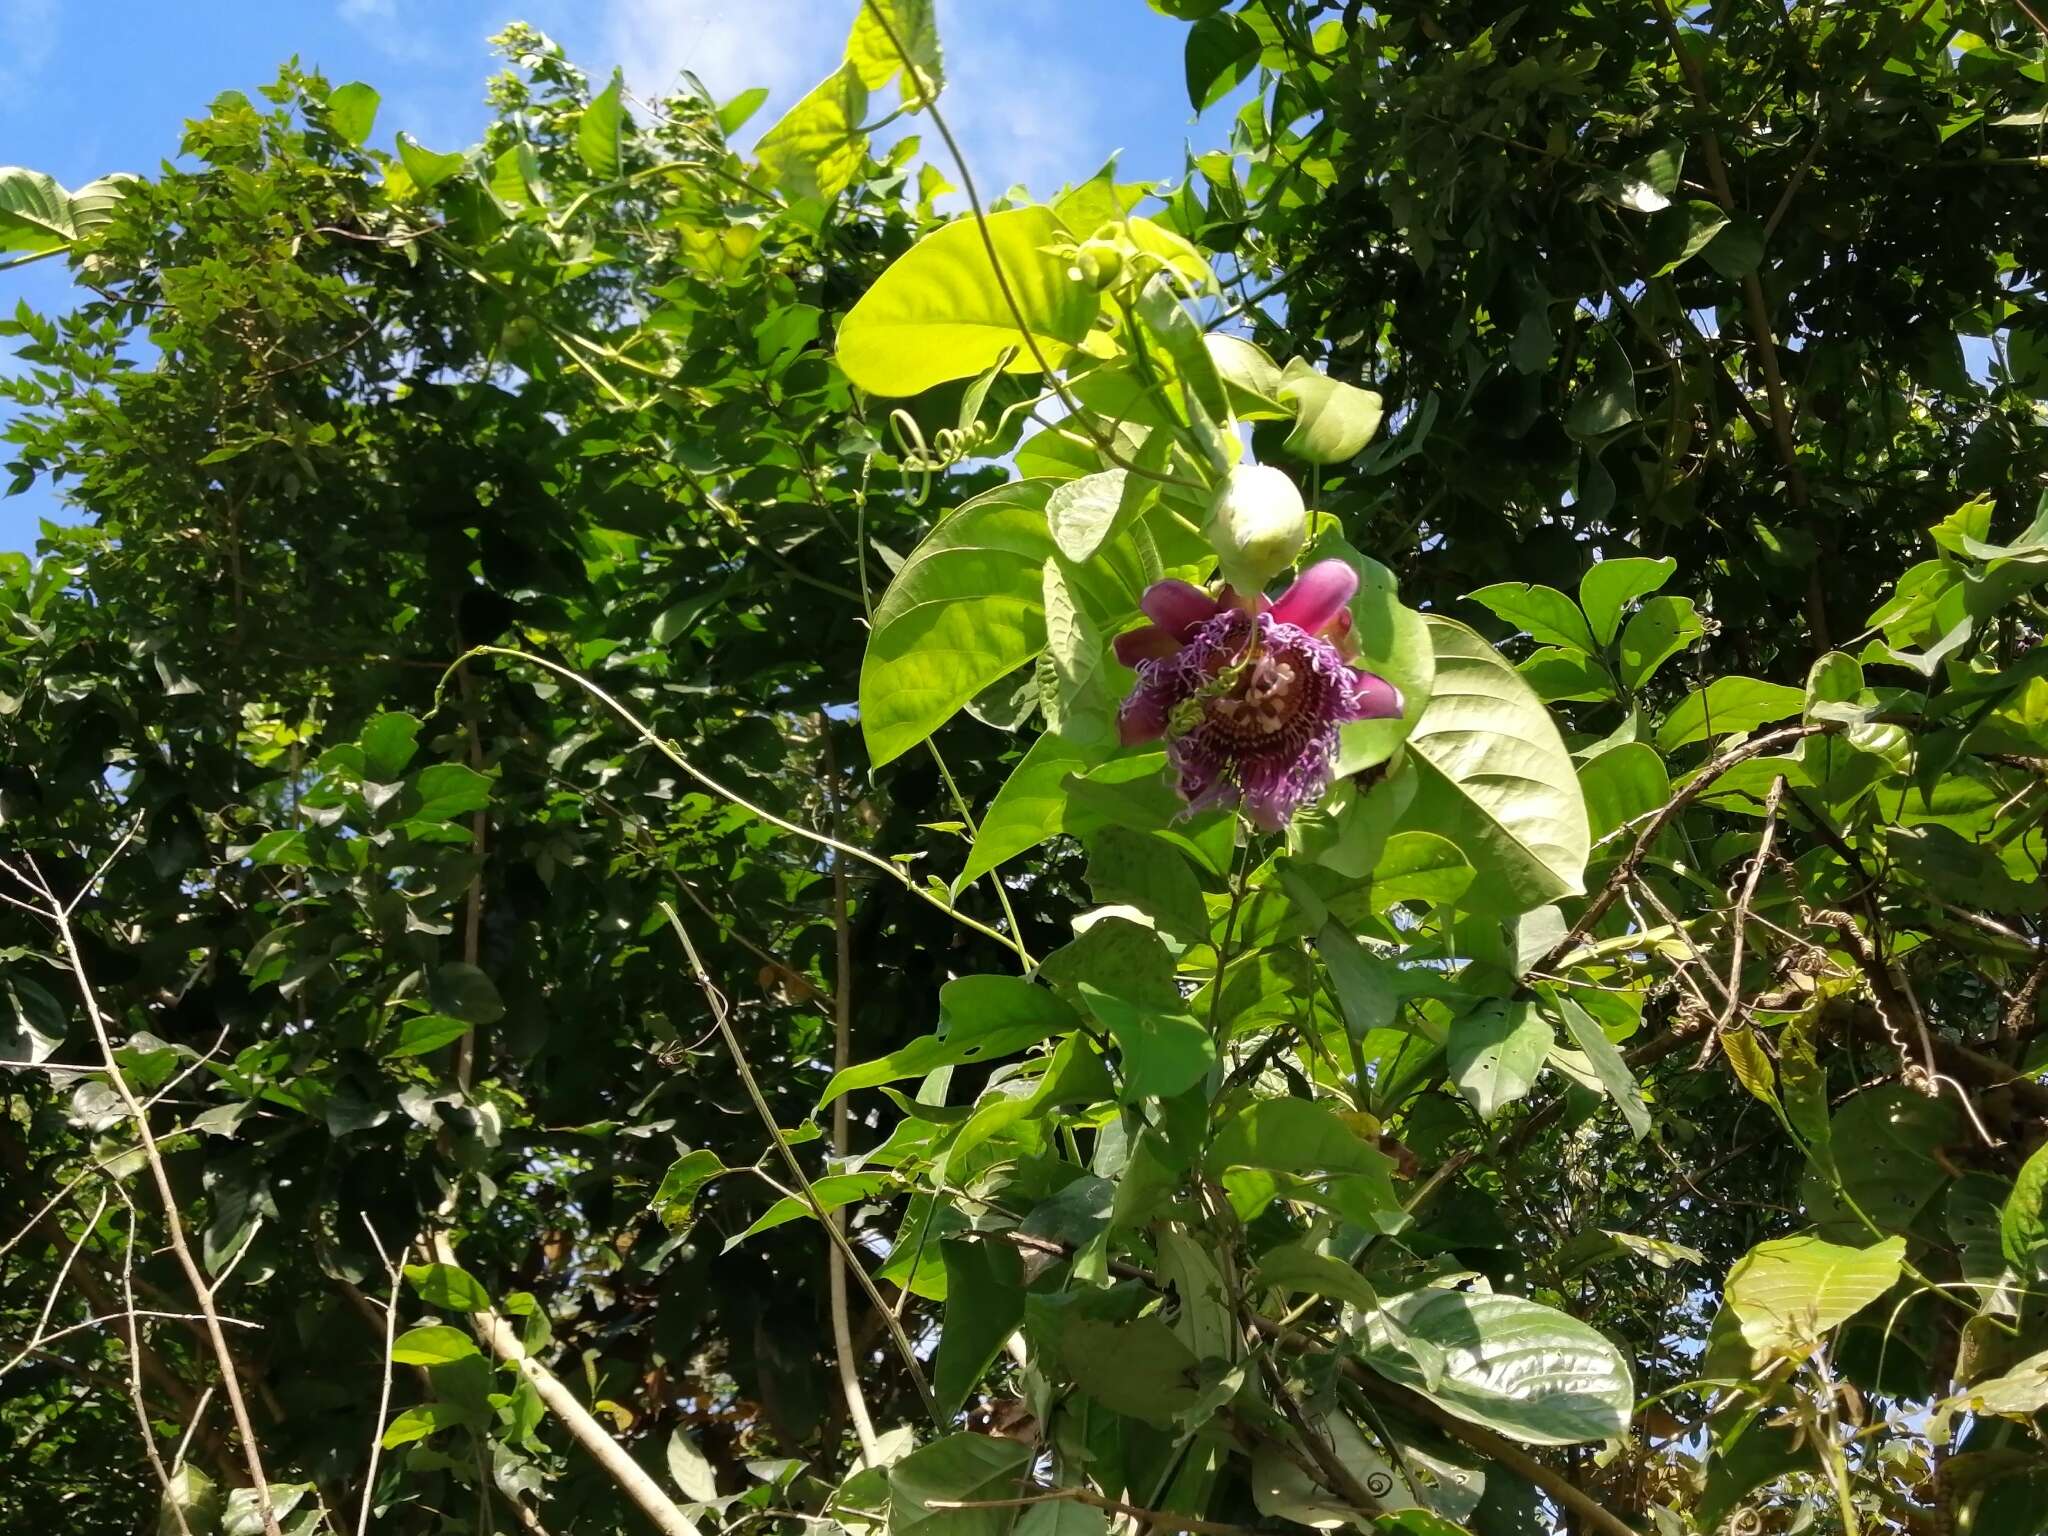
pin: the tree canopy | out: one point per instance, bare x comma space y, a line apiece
699, 838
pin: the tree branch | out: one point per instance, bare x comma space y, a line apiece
174, 1227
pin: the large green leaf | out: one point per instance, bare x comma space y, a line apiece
886, 30
1789, 1292
2020, 1393
1333, 421
1495, 778
968, 608
2023, 1224
1656, 632
1160, 1051
598, 130
1725, 706
35, 212
447, 1288
1084, 511
1139, 1369
1297, 1267
1609, 587
1220, 51
352, 109
1282, 1486
981, 1018
831, 1192
1419, 866
984, 1306
1131, 869
1884, 1140
1621, 784
433, 1345
427, 168
1030, 807
1544, 613
960, 1469
939, 313
1365, 982
817, 147
1615, 1078
1525, 1370
1297, 1136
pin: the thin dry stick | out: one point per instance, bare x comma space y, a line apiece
842, 1054
57, 1289
1756, 869
156, 1460
174, 1226
796, 1169
1697, 785
503, 1340
669, 751
384, 1394
473, 906
191, 1429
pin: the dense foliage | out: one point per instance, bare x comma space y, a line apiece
652, 882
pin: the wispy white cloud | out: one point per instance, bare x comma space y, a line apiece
731, 45
1018, 104
28, 37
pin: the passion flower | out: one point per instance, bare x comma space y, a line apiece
1249, 696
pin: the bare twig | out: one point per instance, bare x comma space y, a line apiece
198, 1417
473, 902
384, 1392
135, 1393
1733, 990
85, 1235
1698, 784
503, 1340
842, 1054
2012, 1026
174, 1226
668, 750
716, 1000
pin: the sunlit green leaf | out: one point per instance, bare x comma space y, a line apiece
1522, 1369
1495, 779
817, 146
939, 312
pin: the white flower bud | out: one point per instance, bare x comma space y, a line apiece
1258, 525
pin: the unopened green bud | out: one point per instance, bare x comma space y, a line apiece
1258, 525
1109, 261
1096, 264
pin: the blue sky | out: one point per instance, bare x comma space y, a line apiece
1041, 91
